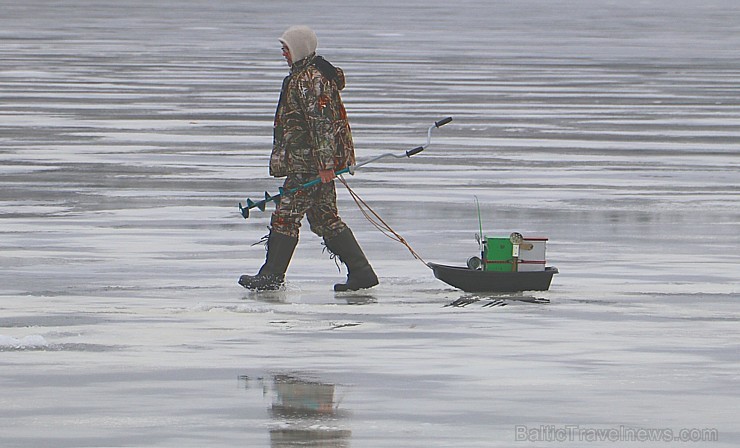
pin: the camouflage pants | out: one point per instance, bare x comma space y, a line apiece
317, 203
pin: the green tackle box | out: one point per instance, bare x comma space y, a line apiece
497, 255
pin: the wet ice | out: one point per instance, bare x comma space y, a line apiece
130, 131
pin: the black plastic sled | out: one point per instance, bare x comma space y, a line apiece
476, 280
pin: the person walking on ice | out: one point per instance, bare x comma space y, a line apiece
311, 138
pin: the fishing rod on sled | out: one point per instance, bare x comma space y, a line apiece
261, 204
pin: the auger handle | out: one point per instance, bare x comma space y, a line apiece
414, 151
442, 122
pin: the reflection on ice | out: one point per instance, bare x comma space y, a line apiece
297, 290
302, 399
491, 300
357, 298
304, 413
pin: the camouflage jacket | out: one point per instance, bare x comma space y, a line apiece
311, 131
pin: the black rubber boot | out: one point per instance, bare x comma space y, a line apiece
271, 275
360, 274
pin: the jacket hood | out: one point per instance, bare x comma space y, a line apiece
300, 40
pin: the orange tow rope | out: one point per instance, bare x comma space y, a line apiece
379, 223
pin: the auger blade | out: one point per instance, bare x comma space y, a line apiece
243, 211
260, 204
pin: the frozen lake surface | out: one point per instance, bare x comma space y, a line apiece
130, 130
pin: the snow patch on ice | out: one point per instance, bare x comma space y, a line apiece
27, 342
250, 308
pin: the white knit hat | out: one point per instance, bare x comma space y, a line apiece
300, 40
